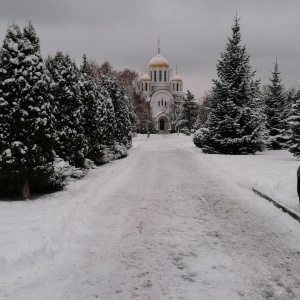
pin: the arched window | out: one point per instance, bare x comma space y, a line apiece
159, 75
146, 86
154, 76
158, 103
177, 87
165, 75
151, 75
165, 103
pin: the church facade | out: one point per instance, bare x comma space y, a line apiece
162, 91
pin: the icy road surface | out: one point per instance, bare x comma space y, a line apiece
159, 224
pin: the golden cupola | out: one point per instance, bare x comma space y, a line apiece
145, 77
158, 61
176, 78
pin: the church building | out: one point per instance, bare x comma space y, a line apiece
163, 92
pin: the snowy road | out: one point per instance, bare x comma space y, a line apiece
163, 224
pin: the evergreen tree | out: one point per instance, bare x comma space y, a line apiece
294, 122
276, 112
131, 112
128, 79
70, 140
202, 110
234, 125
188, 116
109, 123
26, 127
117, 94
142, 111
98, 124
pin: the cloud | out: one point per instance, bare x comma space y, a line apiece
193, 33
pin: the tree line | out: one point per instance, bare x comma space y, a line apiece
51, 109
238, 116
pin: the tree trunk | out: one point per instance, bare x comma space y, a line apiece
25, 192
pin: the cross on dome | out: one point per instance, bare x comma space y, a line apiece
158, 48
158, 61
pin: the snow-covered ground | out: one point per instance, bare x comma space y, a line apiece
167, 222
271, 172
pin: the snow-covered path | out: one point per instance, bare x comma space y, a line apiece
164, 224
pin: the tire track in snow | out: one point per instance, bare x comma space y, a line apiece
169, 248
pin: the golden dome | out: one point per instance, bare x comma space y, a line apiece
176, 78
158, 62
145, 77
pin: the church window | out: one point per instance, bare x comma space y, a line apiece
158, 103
155, 76
159, 75
151, 75
165, 75
146, 86
165, 103
177, 87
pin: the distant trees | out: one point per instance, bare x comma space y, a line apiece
203, 110
55, 110
234, 125
188, 117
127, 79
142, 111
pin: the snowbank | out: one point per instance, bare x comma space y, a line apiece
41, 227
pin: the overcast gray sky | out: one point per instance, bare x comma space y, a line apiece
193, 33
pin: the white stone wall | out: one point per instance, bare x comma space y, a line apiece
161, 101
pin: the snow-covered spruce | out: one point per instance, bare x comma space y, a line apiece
26, 118
65, 88
98, 116
56, 112
294, 122
276, 112
235, 122
117, 94
128, 80
188, 117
